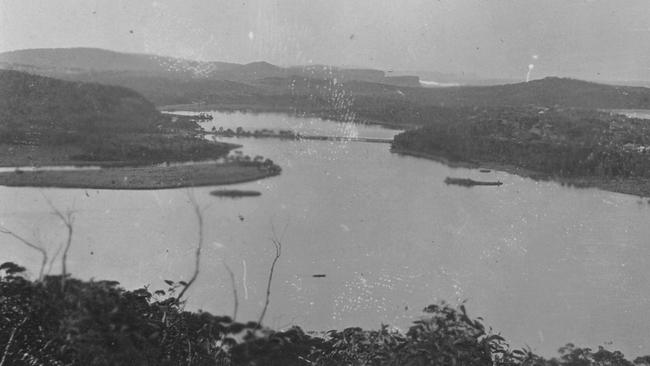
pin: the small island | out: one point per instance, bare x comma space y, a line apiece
466, 182
234, 193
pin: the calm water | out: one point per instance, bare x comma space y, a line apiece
542, 263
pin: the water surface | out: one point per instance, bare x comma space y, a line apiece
542, 263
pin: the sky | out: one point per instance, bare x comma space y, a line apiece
587, 39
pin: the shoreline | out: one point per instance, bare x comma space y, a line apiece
639, 187
507, 168
35, 156
140, 178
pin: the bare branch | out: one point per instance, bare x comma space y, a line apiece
278, 251
197, 256
234, 291
64, 258
4, 230
68, 220
243, 279
284, 231
189, 352
56, 254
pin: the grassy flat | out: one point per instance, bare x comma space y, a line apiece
140, 177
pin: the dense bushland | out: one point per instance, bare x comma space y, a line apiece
556, 142
35, 103
105, 123
99, 323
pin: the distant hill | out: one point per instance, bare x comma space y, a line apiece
443, 79
167, 80
166, 91
320, 89
85, 60
548, 92
72, 62
545, 92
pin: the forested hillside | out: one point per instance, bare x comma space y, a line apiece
90, 121
555, 142
323, 90
30, 103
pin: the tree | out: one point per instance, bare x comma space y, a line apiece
198, 211
31, 245
68, 220
277, 244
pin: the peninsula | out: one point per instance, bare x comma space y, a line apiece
46, 122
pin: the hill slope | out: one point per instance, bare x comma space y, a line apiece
548, 92
77, 61
35, 103
545, 92
49, 121
321, 90
82, 60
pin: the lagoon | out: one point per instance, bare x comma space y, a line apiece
542, 263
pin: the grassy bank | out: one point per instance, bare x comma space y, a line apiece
155, 177
73, 155
12, 155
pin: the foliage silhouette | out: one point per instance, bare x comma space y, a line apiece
99, 323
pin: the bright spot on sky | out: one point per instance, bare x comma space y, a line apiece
251, 35
535, 57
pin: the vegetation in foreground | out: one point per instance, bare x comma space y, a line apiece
60, 320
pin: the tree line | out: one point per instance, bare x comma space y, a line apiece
564, 143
